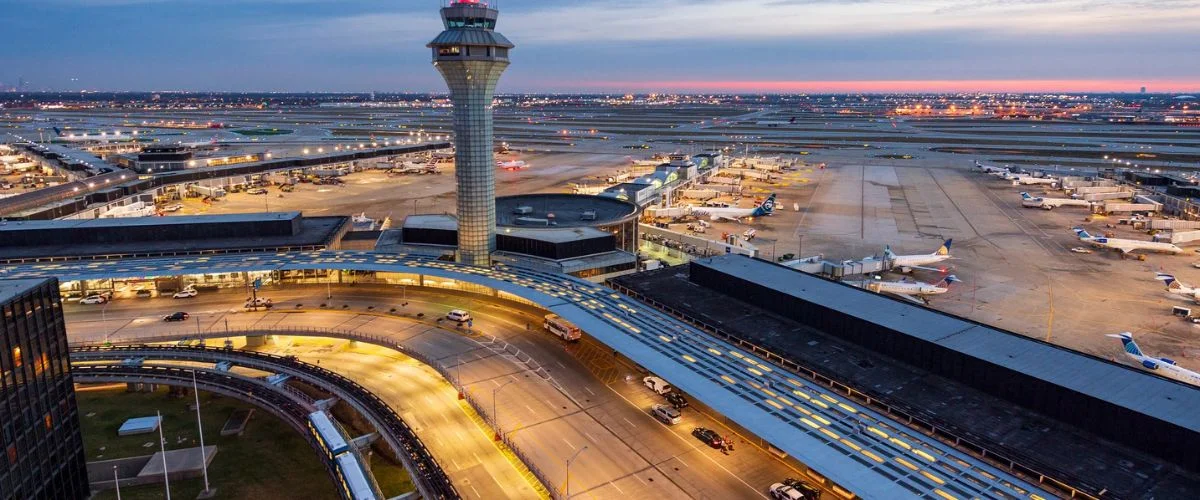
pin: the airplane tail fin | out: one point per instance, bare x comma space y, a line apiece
945, 249
57, 131
767, 207
1131, 347
1025, 196
1079, 231
1168, 279
948, 280
888, 253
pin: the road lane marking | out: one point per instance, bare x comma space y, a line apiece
568, 443
614, 485
589, 390
631, 424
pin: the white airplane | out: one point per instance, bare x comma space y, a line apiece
1126, 246
104, 137
906, 263
1161, 366
1029, 179
915, 291
735, 214
1179, 288
987, 169
1029, 201
512, 165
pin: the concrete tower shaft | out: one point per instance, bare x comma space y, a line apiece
471, 56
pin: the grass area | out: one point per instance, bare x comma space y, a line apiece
269, 459
257, 132
393, 479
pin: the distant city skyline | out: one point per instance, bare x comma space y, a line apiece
737, 46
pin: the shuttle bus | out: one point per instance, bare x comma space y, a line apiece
562, 328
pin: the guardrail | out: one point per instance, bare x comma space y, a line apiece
429, 477
1028, 467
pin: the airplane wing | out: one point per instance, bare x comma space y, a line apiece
923, 268
916, 299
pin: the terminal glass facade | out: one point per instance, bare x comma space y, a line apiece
42, 447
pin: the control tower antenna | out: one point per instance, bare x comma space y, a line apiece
471, 56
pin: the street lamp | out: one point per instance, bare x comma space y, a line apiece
200, 429
567, 493
496, 417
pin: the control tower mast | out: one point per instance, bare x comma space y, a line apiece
471, 56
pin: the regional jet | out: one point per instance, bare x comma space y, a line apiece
906, 263
1051, 203
1161, 366
1126, 246
915, 291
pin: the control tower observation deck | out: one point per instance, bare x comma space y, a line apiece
471, 56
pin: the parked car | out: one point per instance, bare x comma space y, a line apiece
256, 191
179, 316
677, 400
287, 188
144, 294
1081, 250
459, 315
174, 207
709, 436
666, 414
259, 302
810, 492
657, 385
93, 299
780, 491
186, 293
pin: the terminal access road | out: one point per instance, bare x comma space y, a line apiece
627, 451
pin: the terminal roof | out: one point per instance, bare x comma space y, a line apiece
1138, 392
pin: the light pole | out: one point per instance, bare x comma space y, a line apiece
200, 429
570, 461
104, 322
162, 443
117, 482
495, 416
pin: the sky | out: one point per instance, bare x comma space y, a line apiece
611, 46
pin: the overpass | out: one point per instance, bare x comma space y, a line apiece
852, 445
291, 405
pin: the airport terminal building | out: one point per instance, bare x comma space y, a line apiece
41, 447
1046, 410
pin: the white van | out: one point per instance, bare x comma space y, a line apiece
459, 315
657, 385
562, 328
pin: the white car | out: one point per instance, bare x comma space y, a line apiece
459, 315
93, 299
780, 491
259, 302
657, 385
175, 207
1081, 250
186, 293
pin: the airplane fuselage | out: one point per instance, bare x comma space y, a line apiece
1166, 369
1127, 246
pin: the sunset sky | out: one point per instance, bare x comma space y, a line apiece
744, 46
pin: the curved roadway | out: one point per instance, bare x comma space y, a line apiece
854, 446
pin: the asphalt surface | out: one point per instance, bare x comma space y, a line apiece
627, 451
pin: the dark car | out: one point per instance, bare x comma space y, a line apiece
179, 316
809, 491
677, 400
709, 436
144, 294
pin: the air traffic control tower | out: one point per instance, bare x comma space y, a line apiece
471, 56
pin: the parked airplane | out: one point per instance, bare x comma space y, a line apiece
1161, 366
1051, 203
512, 165
987, 169
906, 263
1029, 179
915, 291
1126, 246
767, 207
1179, 288
115, 136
